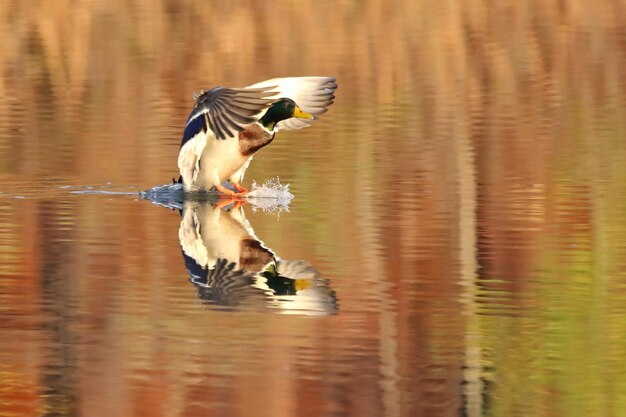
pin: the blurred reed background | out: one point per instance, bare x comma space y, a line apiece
115, 77
473, 171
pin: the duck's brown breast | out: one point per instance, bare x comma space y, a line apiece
253, 256
253, 138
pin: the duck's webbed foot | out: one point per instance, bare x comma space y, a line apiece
227, 201
240, 187
228, 192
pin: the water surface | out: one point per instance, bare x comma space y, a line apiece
455, 247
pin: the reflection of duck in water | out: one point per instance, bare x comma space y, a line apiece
231, 267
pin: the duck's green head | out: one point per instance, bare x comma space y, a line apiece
282, 109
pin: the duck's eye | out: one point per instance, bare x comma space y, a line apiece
284, 104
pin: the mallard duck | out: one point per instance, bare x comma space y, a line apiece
228, 126
229, 265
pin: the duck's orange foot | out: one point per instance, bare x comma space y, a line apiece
240, 187
227, 201
230, 193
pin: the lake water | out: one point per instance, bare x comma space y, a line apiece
455, 246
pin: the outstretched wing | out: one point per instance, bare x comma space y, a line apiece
226, 285
219, 113
226, 111
312, 94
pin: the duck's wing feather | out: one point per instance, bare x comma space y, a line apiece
226, 111
190, 237
312, 94
219, 113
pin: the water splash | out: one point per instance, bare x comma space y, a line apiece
169, 195
271, 196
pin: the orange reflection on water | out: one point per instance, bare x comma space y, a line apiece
463, 196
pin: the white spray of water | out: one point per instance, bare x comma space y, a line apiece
271, 196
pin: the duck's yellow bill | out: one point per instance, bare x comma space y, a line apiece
302, 284
297, 112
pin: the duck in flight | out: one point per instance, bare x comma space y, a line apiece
228, 126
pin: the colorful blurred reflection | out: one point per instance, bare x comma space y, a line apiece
461, 205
